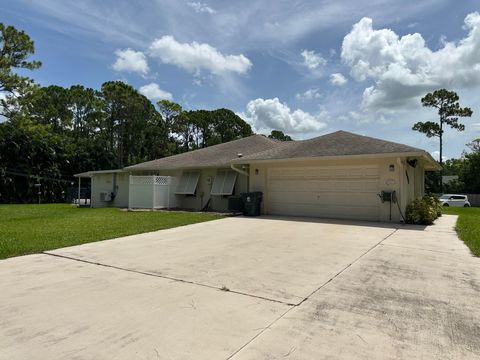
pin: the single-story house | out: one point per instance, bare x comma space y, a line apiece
338, 175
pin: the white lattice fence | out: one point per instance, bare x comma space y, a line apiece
152, 192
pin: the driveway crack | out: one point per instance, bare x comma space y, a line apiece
169, 278
346, 267
313, 292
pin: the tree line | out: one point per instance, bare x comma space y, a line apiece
49, 133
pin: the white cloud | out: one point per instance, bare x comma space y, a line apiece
310, 94
362, 118
436, 155
338, 79
201, 8
195, 57
270, 114
154, 92
404, 68
312, 60
131, 61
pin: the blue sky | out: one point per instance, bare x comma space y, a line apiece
305, 67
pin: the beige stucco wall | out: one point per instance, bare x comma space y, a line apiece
257, 181
204, 186
388, 181
105, 182
205, 182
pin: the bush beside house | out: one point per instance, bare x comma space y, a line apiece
423, 211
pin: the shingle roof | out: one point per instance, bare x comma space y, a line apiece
335, 144
258, 147
213, 156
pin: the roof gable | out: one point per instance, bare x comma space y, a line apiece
339, 143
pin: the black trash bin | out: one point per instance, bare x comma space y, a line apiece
252, 203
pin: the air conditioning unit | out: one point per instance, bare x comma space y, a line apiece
105, 196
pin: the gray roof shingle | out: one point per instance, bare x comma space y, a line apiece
334, 144
213, 156
258, 147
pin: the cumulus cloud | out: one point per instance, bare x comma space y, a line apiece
338, 79
195, 57
270, 114
154, 92
131, 61
312, 60
201, 8
404, 68
310, 94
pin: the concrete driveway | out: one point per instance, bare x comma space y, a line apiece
248, 288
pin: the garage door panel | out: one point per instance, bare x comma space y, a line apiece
337, 192
333, 211
301, 185
319, 185
324, 198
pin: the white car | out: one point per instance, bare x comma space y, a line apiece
454, 200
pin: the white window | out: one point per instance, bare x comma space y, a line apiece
224, 182
188, 183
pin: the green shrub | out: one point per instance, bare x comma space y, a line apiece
423, 211
434, 202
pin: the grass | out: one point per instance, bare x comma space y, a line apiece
27, 229
468, 226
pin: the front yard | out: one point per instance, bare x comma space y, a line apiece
27, 229
468, 226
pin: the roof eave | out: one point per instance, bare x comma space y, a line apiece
421, 153
95, 172
172, 168
434, 165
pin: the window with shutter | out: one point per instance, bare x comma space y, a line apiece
188, 183
223, 183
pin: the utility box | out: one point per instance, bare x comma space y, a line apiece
386, 196
252, 202
106, 196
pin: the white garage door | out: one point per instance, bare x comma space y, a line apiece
331, 192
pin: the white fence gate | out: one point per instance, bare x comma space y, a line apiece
152, 192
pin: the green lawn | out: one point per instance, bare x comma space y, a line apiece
468, 226
27, 229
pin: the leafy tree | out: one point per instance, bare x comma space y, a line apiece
453, 166
31, 153
279, 135
228, 126
173, 120
15, 48
85, 106
449, 110
202, 127
49, 106
471, 168
127, 114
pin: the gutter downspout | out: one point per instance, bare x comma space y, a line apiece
240, 171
